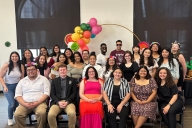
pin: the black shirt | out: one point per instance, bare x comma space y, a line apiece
129, 71
115, 96
165, 94
41, 70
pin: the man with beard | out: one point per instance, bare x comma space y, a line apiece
101, 58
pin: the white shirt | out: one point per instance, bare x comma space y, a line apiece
32, 91
97, 67
101, 59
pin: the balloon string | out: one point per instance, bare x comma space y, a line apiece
125, 28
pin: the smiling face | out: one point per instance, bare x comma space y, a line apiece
62, 72
147, 53
14, 58
56, 49
31, 72
119, 45
43, 51
92, 60
77, 58
162, 74
27, 54
111, 61
127, 57
136, 50
62, 58
91, 73
154, 48
117, 74
165, 54
175, 47
42, 60
103, 49
142, 73
68, 53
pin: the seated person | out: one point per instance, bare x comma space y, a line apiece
91, 108
170, 103
116, 93
143, 93
63, 95
31, 93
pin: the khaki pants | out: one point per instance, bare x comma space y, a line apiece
22, 112
55, 110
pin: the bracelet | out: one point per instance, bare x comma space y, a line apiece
170, 104
108, 103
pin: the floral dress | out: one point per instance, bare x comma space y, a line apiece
142, 92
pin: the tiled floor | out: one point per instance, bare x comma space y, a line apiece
3, 116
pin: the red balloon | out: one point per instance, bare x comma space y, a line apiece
81, 43
87, 34
85, 47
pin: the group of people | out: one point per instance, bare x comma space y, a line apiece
124, 83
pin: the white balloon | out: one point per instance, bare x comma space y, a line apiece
69, 44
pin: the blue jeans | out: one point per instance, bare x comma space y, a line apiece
12, 103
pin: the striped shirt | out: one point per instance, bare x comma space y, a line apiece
124, 89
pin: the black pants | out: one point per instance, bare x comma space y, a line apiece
170, 117
112, 117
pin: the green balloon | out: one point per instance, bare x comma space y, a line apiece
83, 26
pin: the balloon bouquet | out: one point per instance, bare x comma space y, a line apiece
81, 37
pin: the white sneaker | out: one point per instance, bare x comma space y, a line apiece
10, 122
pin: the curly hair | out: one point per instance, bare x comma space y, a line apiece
159, 48
87, 70
169, 79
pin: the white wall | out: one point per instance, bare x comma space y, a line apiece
105, 11
109, 12
7, 29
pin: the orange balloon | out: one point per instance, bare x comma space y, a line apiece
86, 40
75, 36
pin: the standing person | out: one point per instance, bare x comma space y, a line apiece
136, 53
75, 70
156, 50
63, 94
101, 57
182, 63
12, 71
128, 66
50, 60
116, 93
27, 57
109, 68
32, 93
61, 59
148, 61
91, 108
170, 103
44, 70
167, 60
55, 52
118, 53
85, 56
69, 54
92, 62
143, 93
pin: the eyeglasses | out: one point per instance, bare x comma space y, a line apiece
30, 70
119, 44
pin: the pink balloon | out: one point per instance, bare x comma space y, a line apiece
99, 27
93, 22
85, 48
81, 43
95, 30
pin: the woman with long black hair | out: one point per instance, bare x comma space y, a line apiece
12, 71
